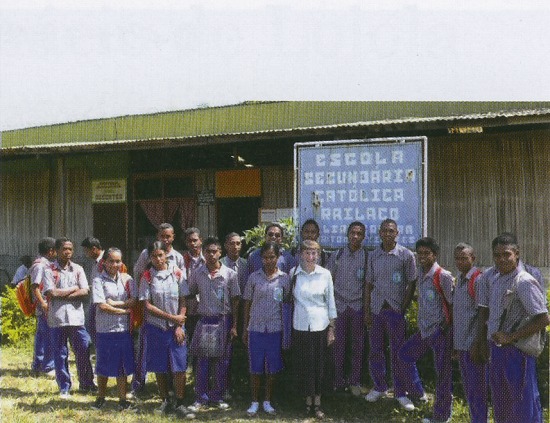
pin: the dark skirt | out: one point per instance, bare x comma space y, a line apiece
309, 352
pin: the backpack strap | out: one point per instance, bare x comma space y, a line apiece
471, 284
437, 285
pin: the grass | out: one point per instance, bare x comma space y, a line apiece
25, 398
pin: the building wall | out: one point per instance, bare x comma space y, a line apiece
481, 185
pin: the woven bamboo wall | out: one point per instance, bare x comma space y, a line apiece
484, 184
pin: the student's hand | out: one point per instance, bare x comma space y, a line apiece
179, 334
480, 352
234, 333
330, 336
178, 319
45, 308
245, 338
502, 338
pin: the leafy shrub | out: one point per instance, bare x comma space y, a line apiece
256, 236
15, 326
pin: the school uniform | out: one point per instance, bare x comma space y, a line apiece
164, 291
173, 258
265, 325
465, 323
512, 373
114, 347
215, 307
435, 334
389, 274
66, 320
43, 352
191, 264
314, 307
348, 276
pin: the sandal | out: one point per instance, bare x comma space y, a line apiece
319, 413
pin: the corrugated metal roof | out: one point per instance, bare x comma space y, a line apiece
258, 118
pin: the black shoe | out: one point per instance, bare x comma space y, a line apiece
98, 403
126, 406
88, 390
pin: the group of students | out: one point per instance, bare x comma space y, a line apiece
197, 303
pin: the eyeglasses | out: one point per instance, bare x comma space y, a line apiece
274, 234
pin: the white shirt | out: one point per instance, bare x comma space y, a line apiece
314, 304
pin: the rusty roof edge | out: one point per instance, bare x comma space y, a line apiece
45, 148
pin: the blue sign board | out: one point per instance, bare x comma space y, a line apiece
365, 180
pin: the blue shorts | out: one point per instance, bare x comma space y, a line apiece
114, 354
264, 351
164, 354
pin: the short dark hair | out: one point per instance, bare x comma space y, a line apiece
461, 246
388, 222
311, 222
231, 235
60, 241
109, 251
356, 223
45, 245
165, 226
274, 225
211, 240
505, 238
429, 243
90, 242
191, 231
270, 246
156, 245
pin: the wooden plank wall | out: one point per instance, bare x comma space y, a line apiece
481, 185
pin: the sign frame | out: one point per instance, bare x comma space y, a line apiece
388, 141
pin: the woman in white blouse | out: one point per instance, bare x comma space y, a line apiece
313, 322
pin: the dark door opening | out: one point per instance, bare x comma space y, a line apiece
236, 215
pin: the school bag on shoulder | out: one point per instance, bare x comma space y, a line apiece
136, 311
446, 306
471, 284
23, 292
533, 344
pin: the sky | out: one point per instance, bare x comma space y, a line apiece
63, 61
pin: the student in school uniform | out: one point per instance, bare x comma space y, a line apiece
435, 287
65, 287
391, 282
114, 293
43, 353
273, 233
193, 259
512, 297
465, 316
310, 231
263, 297
163, 290
218, 289
166, 235
347, 266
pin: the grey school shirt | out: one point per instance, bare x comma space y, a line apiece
163, 290
238, 266
267, 296
105, 287
348, 274
527, 300
64, 311
390, 273
38, 271
215, 291
465, 312
431, 316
